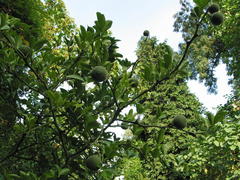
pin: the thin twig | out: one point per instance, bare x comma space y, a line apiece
116, 114
59, 131
67, 71
26, 84
18, 144
134, 66
156, 126
195, 35
113, 93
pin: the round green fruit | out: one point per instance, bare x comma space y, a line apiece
146, 33
213, 8
99, 73
133, 82
180, 122
217, 18
93, 162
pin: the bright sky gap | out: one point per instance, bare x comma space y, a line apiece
131, 18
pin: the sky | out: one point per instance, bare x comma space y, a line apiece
130, 18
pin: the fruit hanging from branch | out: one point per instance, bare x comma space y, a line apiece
99, 73
216, 18
93, 162
213, 8
146, 33
179, 122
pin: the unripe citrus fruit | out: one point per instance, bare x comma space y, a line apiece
99, 73
93, 162
217, 18
180, 121
213, 8
146, 33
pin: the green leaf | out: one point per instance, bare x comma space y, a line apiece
64, 171
91, 123
108, 25
168, 57
137, 130
202, 3
232, 147
30, 122
216, 143
219, 117
198, 11
183, 69
13, 176
78, 41
83, 32
75, 76
210, 118
118, 55
101, 18
39, 44
158, 112
55, 97
148, 72
100, 24
166, 147
140, 108
5, 27
47, 175
11, 39
18, 42
3, 21
160, 137
155, 153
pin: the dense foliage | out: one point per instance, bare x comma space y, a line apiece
157, 139
63, 87
217, 44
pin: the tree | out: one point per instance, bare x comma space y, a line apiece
215, 154
218, 44
156, 141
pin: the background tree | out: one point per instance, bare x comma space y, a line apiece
157, 141
218, 44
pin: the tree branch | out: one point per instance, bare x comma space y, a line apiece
195, 35
156, 126
119, 109
59, 131
113, 93
17, 145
